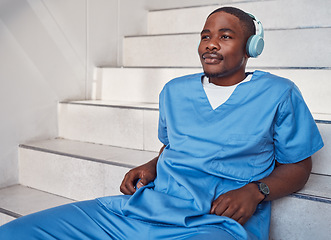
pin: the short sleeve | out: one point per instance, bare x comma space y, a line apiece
296, 136
162, 129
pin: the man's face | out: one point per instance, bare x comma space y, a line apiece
222, 46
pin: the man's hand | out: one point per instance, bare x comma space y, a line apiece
144, 173
239, 204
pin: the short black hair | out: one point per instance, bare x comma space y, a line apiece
246, 20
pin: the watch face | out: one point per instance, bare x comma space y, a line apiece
264, 188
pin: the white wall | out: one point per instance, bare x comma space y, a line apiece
34, 75
42, 61
48, 50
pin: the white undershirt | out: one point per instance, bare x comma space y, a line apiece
217, 95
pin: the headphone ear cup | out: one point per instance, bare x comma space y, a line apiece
254, 46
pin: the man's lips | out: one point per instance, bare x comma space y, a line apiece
212, 58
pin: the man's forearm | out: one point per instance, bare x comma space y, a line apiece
287, 178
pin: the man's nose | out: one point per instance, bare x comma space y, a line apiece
213, 45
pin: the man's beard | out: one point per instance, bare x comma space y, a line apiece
214, 75
225, 72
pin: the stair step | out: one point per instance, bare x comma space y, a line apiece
317, 188
296, 217
88, 165
134, 125
77, 170
5, 217
321, 159
18, 200
145, 84
273, 14
40, 153
129, 126
82, 171
135, 84
180, 50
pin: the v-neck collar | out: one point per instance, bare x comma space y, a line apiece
204, 107
217, 95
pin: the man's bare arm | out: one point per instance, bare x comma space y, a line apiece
288, 178
240, 204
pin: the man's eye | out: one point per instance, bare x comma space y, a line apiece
204, 37
225, 37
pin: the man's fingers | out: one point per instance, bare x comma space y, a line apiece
242, 220
127, 189
237, 215
127, 185
140, 184
218, 207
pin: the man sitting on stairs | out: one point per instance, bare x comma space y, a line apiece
233, 141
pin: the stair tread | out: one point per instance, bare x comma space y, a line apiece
324, 117
273, 55
18, 200
94, 152
109, 103
318, 185
273, 14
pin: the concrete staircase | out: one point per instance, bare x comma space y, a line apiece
102, 138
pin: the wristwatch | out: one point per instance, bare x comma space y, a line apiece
263, 188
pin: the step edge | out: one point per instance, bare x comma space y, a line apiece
294, 195
197, 33
46, 150
310, 197
10, 213
112, 105
116, 163
248, 67
186, 7
126, 105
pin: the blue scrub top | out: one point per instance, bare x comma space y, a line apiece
209, 152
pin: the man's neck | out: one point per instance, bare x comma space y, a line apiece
228, 80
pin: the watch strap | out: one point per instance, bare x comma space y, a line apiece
261, 191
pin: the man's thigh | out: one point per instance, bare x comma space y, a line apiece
81, 220
194, 233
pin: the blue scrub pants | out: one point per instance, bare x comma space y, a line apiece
91, 220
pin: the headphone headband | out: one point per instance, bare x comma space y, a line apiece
255, 43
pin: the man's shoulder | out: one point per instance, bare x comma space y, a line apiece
183, 80
272, 81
